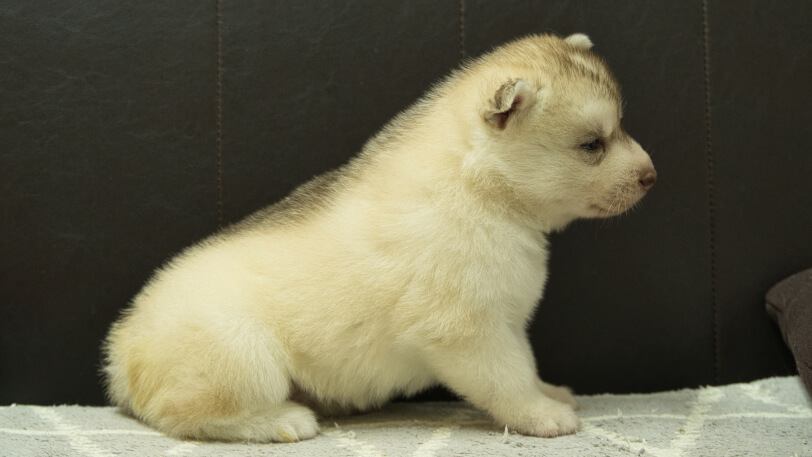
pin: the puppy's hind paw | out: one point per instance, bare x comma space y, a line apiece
296, 423
287, 423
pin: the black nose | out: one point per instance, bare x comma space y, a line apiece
648, 178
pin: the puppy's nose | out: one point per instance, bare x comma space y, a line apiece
648, 178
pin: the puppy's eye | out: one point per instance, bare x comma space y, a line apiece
593, 146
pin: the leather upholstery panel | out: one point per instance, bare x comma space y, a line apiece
108, 167
760, 119
132, 130
306, 83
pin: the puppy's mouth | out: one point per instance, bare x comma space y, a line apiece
614, 207
601, 211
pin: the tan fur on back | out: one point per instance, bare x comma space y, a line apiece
418, 263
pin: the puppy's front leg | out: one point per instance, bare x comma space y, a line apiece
494, 373
560, 393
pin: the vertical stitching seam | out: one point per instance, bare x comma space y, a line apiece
462, 29
219, 113
711, 189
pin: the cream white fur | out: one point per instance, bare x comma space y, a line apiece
419, 263
580, 40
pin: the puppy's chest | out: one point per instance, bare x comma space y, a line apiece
508, 272
492, 266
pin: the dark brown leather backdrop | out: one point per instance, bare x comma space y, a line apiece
131, 129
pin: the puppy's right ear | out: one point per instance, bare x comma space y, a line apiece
510, 101
579, 40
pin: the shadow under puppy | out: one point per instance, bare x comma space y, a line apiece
418, 263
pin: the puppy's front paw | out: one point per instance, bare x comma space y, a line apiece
553, 420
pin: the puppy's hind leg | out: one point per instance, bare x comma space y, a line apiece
235, 388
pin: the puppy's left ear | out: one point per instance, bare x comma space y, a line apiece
510, 101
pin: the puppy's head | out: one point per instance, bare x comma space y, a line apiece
550, 119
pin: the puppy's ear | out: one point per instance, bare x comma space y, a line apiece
580, 41
510, 101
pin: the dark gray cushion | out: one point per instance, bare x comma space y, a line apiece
789, 303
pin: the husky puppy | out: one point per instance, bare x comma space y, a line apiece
420, 262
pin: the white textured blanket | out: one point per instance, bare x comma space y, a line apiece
771, 417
